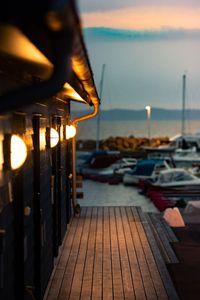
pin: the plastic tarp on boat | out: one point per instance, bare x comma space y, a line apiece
145, 167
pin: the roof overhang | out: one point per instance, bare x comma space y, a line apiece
46, 42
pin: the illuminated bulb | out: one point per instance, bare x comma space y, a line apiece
70, 131
54, 137
18, 152
61, 132
1, 155
148, 108
42, 139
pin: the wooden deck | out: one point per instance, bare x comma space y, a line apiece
110, 253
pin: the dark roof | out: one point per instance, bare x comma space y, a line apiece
53, 29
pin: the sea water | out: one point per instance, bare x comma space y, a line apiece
88, 129
103, 194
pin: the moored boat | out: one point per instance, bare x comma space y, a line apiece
177, 179
144, 169
186, 157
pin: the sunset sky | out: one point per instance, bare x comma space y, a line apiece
147, 46
141, 14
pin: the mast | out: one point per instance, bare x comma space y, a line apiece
183, 106
98, 116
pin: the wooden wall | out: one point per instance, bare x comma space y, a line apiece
35, 204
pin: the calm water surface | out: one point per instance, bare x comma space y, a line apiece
103, 194
87, 129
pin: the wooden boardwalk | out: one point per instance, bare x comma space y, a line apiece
108, 253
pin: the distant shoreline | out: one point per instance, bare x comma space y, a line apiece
157, 114
139, 128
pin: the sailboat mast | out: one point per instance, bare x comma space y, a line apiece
183, 106
98, 116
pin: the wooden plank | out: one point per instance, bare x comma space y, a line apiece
70, 236
107, 271
57, 277
171, 235
80, 263
159, 217
162, 239
98, 261
157, 238
111, 253
55, 285
118, 293
126, 272
134, 264
70, 267
158, 284
163, 273
89, 262
145, 272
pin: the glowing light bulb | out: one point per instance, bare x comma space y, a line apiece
61, 132
42, 139
18, 151
1, 153
70, 131
54, 137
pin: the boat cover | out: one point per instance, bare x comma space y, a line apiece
145, 167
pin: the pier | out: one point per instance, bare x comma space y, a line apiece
114, 253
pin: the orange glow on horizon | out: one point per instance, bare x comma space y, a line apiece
145, 18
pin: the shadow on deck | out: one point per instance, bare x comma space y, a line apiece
114, 253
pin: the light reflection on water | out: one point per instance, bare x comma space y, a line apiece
103, 194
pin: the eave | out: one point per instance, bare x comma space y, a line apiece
50, 47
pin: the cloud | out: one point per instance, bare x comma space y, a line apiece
141, 18
133, 35
105, 5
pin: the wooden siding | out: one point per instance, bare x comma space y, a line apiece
7, 278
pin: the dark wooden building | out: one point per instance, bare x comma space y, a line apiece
43, 67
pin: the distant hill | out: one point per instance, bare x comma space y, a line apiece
156, 114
